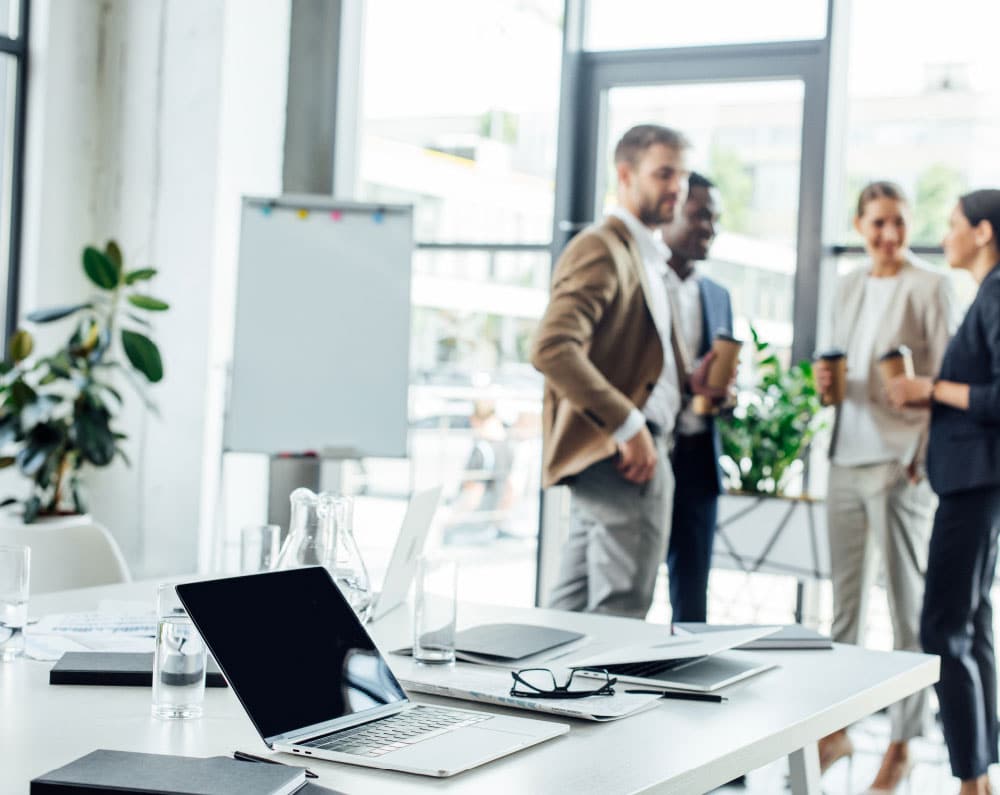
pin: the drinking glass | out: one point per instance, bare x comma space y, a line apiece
179, 660
259, 547
15, 564
435, 611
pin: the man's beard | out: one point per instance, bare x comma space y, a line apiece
650, 215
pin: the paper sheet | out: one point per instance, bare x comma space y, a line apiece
114, 626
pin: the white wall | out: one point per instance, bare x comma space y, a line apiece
146, 122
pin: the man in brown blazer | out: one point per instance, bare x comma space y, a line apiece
612, 385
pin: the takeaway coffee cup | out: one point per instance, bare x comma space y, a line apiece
898, 361
727, 356
837, 360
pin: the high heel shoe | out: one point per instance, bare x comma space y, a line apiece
834, 748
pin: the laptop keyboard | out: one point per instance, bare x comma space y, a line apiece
646, 670
395, 732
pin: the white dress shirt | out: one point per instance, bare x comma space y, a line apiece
688, 303
859, 439
665, 400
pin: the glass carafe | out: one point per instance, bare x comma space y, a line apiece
304, 545
340, 553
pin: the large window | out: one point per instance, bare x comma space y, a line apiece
461, 122
13, 55
925, 112
635, 24
746, 136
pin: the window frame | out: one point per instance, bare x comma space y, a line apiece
17, 47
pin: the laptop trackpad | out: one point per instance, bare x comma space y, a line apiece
460, 749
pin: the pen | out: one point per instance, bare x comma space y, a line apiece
681, 696
245, 757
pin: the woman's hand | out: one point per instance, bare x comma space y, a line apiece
906, 392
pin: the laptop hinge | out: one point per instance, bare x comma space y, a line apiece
336, 725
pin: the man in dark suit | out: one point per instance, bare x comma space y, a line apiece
703, 308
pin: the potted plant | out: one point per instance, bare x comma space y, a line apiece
57, 410
772, 424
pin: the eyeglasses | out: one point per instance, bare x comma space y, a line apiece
541, 683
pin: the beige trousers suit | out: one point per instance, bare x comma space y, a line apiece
874, 512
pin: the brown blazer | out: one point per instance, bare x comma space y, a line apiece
597, 346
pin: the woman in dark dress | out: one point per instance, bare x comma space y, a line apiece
963, 465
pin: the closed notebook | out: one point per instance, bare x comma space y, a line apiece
499, 644
118, 772
789, 636
115, 668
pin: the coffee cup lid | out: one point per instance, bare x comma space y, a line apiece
725, 335
895, 353
832, 353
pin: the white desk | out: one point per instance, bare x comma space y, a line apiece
677, 747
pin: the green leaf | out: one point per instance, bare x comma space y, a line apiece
114, 254
32, 506
21, 345
55, 313
94, 437
99, 269
42, 441
22, 394
148, 302
142, 274
143, 354
138, 319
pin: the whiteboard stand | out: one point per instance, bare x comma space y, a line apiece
285, 473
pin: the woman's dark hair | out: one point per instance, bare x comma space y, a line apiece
983, 205
881, 189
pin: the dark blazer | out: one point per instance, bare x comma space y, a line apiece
964, 449
717, 315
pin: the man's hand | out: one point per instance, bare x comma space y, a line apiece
910, 392
637, 457
824, 377
698, 381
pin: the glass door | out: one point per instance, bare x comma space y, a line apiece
747, 138
756, 115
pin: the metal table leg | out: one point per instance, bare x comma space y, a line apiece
803, 770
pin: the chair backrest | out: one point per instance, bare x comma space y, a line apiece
68, 554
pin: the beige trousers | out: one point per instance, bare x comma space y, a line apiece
873, 513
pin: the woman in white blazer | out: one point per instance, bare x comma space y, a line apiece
879, 505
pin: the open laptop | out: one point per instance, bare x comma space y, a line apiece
409, 546
314, 684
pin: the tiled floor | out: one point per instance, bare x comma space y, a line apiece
931, 774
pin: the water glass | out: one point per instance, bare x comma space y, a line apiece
15, 564
259, 547
435, 610
179, 661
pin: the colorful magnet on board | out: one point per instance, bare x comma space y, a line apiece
379, 215
336, 215
302, 214
265, 209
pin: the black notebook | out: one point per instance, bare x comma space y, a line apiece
156, 774
115, 668
509, 642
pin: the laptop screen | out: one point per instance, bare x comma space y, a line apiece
291, 647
